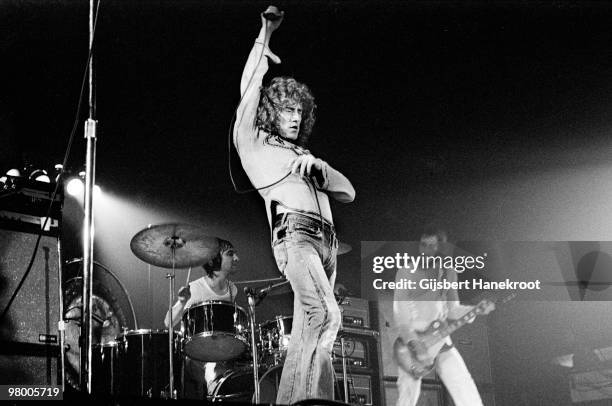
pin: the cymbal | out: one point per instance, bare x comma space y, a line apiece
192, 247
343, 248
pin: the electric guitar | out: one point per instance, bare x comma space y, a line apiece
417, 356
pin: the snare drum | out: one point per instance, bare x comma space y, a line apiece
143, 359
215, 331
274, 338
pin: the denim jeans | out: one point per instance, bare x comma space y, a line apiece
454, 374
306, 255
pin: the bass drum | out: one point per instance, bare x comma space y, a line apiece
237, 386
112, 312
269, 383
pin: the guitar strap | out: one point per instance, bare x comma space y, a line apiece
442, 272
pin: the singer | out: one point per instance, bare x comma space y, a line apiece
271, 131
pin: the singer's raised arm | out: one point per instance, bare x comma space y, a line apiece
252, 76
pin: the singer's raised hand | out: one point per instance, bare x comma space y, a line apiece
272, 18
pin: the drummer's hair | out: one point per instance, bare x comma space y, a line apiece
278, 94
215, 263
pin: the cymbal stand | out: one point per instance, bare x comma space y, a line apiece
344, 374
174, 243
342, 352
252, 297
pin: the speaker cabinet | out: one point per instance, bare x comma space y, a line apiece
359, 389
29, 332
431, 394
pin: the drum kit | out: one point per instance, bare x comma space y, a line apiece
148, 363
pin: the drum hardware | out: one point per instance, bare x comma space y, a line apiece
271, 289
344, 375
274, 338
254, 299
173, 246
280, 278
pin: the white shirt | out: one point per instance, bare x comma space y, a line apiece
201, 292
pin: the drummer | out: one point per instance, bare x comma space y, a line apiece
214, 285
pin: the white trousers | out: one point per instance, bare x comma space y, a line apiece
454, 374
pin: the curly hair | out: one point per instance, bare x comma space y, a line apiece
281, 92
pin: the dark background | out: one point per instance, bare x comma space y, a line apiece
492, 117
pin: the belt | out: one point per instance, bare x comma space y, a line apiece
314, 222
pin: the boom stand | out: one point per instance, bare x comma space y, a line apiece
252, 302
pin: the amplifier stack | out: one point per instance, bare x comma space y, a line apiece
29, 339
361, 355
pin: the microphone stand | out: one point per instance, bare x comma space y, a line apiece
252, 297
342, 352
88, 223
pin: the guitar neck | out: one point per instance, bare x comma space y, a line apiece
462, 321
453, 325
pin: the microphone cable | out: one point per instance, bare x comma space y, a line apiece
229, 143
59, 178
233, 120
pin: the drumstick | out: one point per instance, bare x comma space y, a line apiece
188, 276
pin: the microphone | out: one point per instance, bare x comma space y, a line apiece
272, 13
263, 292
257, 295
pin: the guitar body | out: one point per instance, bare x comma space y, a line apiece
417, 357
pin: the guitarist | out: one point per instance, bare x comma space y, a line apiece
416, 311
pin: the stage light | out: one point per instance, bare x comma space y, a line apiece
40, 175
75, 187
4, 180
